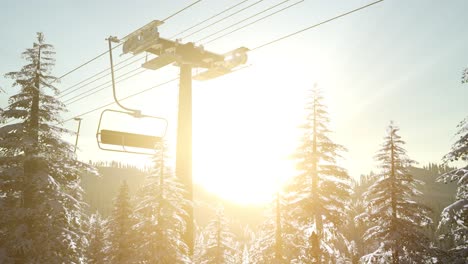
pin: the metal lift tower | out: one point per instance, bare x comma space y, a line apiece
186, 56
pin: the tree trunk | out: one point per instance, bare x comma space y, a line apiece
393, 197
317, 215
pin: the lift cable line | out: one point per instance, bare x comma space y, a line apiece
251, 23
100, 78
316, 25
82, 65
208, 19
219, 20
124, 98
65, 93
243, 20
180, 11
105, 85
94, 90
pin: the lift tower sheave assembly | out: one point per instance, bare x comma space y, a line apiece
186, 56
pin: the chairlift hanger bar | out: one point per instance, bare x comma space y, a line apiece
135, 112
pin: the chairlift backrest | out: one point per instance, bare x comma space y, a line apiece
119, 138
129, 141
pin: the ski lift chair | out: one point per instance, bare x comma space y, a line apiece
129, 141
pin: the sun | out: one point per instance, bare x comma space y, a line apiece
242, 140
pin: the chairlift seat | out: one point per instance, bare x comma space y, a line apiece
129, 139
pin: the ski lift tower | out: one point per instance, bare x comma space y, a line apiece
186, 56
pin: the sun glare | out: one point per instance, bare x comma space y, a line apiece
242, 149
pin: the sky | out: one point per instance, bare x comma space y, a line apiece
397, 60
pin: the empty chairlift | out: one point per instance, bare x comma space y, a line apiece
121, 130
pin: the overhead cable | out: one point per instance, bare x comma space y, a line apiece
219, 20
315, 25
208, 19
251, 23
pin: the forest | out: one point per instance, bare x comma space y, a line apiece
321, 215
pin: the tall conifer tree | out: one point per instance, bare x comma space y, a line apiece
41, 213
396, 219
322, 187
454, 218
98, 244
160, 215
276, 240
121, 234
220, 247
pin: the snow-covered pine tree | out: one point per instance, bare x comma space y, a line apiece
355, 228
454, 218
322, 187
97, 240
199, 245
160, 215
396, 219
220, 247
121, 234
41, 214
276, 240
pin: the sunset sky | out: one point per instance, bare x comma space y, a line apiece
397, 60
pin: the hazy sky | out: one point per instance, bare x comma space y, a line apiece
398, 60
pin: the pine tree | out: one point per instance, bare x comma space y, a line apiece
121, 235
41, 211
454, 218
220, 247
276, 242
97, 236
396, 219
355, 228
322, 187
160, 215
199, 245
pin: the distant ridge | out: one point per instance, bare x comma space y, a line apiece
99, 193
